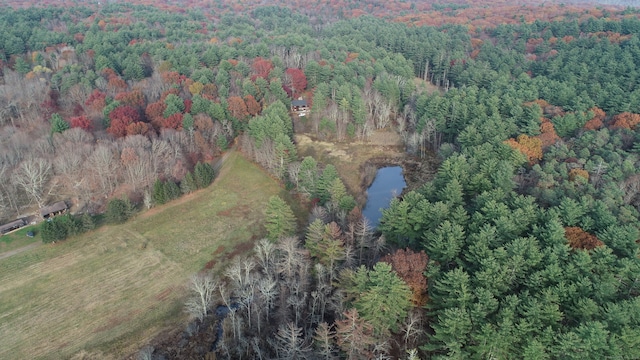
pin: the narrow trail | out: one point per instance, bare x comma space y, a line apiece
7, 254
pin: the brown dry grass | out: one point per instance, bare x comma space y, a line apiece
107, 292
349, 157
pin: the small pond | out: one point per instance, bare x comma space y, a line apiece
388, 183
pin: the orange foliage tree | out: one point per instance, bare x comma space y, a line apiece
410, 267
548, 134
133, 98
253, 107
625, 120
597, 121
577, 174
531, 147
580, 239
139, 128
237, 107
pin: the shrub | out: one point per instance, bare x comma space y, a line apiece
119, 211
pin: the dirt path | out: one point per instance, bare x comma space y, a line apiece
7, 254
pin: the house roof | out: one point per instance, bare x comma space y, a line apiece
298, 102
11, 225
59, 206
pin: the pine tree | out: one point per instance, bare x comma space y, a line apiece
119, 210
329, 174
171, 190
87, 222
203, 174
159, 196
188, 184
382, 298
280, 221
58, 125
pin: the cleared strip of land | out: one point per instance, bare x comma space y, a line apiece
110, 290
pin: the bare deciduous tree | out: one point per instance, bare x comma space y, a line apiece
202, 287
102, 162
32, 175
290, 344
323, 340
266, 254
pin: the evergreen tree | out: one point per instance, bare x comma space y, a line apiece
381, 297
171, 190
280, 220
203, 174
329, 174
87, 222
52, 230
22, 66
119, 210
58, 125
188, 184
159, 195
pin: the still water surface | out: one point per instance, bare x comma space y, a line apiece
388, 183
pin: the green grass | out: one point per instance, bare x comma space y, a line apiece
19, 238
110, 290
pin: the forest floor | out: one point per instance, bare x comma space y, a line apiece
104, 294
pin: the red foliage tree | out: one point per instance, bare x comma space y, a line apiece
82, 122
116, 84
173, 122
209, 91
97, 100
50, 104
173, 77
121, 117
187, 106
295, 82
237, 107
133, 98
155, 110
410, 266
261, 68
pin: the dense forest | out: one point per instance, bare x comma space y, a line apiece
523, 245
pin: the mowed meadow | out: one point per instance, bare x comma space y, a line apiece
108, 291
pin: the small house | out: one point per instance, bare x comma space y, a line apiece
52, 210
300, 107
14, 225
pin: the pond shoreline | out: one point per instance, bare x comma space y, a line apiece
416, 172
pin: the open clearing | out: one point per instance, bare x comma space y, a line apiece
110, 290
350, 157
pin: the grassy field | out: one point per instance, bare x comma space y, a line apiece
110, 290
19, 238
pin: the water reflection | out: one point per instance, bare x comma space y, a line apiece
388, 183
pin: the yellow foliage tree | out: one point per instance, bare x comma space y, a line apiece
196, 88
